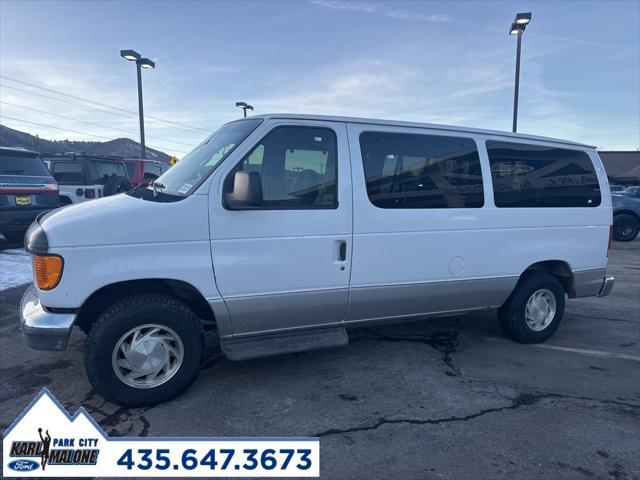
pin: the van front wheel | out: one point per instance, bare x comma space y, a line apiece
534, 310
144, 350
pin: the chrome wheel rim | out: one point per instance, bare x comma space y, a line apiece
540, 309
147, 356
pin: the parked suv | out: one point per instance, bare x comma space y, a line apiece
626, 217
632, 191
26, 189
84, 176
284, 230
142, 172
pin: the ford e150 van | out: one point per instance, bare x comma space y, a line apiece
283, 230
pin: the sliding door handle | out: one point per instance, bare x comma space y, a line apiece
342, 256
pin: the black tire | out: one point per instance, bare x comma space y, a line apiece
119, 319
512, 313
625, 227
14, 236
116, 184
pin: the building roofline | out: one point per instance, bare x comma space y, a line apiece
433, 126
619, 151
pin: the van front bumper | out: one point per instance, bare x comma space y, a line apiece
607, 286
40, 329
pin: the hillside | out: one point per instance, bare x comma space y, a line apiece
124, 147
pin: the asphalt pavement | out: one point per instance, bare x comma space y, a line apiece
446, 398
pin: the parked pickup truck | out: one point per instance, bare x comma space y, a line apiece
283, 230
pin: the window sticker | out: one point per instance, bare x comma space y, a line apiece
185, 188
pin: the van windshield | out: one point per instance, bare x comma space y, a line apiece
186, 175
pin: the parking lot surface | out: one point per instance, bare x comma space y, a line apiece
441, 398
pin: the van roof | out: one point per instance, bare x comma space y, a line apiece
433, 126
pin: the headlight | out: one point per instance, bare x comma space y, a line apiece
47, 271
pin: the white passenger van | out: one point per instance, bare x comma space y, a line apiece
283, 230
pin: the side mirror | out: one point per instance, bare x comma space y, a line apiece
247, 191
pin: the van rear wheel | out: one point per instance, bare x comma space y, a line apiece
144, 350
534, 310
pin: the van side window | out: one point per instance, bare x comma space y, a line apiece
297, 167
421, 171
537, 176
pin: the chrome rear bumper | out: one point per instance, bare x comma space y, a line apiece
40, 329
607, 286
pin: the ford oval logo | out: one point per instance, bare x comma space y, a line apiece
23, 465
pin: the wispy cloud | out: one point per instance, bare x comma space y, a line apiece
379, 9
394, 88
583, 42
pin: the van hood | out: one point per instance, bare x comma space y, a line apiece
123, 219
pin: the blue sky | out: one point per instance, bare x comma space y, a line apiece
439, 62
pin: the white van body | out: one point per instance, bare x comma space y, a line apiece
278, 279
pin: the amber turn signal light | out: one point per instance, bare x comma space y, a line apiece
47, 271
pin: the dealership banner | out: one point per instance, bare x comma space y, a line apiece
45, 441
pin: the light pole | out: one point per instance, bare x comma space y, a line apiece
244, 106
141, 62
517, 28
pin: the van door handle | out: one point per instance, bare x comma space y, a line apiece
343, 251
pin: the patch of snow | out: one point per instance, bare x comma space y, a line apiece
15, 268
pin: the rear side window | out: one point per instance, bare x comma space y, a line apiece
151, 171
67, 172
23, 165
535, 176
131, 169
421, 171
104, 170
297, 167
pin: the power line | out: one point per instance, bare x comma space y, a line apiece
127, 116
51, 126
90, 123
72, 131
99, 103
64, 101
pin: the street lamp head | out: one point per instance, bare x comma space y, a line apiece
244, 106
523, 18
146, 63
515, 29
130, 55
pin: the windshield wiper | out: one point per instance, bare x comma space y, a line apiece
157, 185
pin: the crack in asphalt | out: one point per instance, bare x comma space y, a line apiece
522, 400
29, 378
445, 342
115, 418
